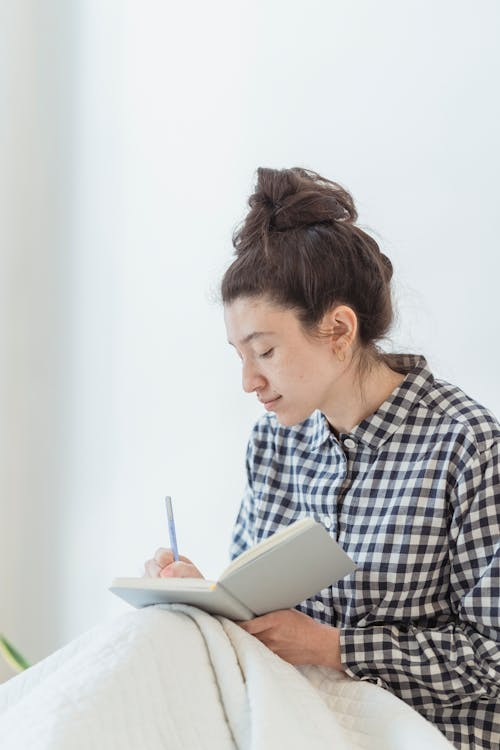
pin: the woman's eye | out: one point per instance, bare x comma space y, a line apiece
267, 354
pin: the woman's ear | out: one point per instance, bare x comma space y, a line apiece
341, 322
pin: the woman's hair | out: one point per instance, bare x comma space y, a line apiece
300, 247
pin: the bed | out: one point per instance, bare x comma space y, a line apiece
175, 678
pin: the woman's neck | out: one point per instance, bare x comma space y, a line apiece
355, 401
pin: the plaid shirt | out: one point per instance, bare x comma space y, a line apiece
412, 494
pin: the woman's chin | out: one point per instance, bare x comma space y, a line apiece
290, 420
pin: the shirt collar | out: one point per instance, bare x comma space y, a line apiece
379, 426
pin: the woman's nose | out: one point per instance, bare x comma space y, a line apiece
251, 379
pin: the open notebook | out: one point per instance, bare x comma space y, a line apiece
278, 573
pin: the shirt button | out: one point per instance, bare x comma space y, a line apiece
328, 522
319, 606
349, 443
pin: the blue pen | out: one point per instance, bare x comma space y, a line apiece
171, 527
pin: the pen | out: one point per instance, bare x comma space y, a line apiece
171, 527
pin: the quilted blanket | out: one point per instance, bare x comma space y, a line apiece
176, 678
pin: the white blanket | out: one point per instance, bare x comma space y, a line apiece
175, 678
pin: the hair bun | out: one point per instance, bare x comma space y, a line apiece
297, 197
325, 260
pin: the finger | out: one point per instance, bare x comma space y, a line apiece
257, 625
180, 569
253, 630
163, 556
151, 569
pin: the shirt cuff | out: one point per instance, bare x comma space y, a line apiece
354, 656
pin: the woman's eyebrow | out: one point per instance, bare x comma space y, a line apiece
251, 336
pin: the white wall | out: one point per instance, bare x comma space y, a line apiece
173, 109
36, 79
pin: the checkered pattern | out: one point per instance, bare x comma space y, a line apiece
413, 495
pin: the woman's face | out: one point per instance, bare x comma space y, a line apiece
291, 374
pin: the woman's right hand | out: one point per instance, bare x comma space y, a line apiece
162, 565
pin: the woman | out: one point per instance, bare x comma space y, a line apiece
400, 467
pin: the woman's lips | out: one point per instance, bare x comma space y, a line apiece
270, 404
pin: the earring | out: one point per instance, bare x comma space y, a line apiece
341, 359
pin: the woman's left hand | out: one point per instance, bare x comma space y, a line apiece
297, 638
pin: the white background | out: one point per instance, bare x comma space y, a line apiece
130, 133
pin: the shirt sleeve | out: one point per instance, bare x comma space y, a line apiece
458, 662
